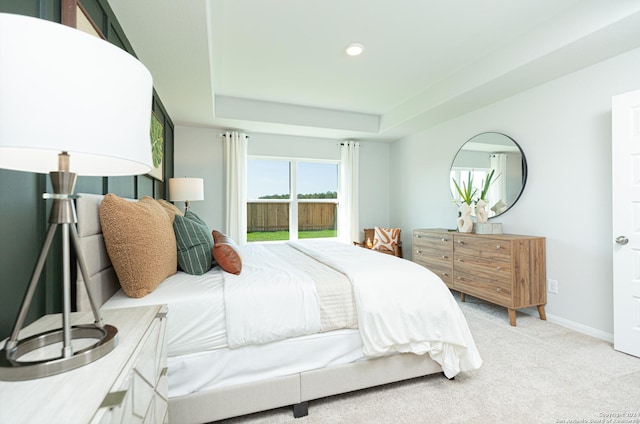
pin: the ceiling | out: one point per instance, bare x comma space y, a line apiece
279, 66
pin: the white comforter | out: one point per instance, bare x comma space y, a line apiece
402, 306
270, 300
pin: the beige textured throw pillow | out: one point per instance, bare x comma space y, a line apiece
171, 209
140, 242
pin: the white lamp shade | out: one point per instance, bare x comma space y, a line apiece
186, 189
64, 90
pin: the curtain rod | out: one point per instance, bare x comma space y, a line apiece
222, 135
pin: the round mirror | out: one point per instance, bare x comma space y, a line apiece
492, 156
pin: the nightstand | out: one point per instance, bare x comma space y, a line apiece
127, 385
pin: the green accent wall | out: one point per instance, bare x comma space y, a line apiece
25, 214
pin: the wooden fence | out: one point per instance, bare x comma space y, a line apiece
262, 217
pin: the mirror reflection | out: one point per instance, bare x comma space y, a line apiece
479, 156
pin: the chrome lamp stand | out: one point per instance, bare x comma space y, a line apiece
12, 368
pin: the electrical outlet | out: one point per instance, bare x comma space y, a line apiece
552, 286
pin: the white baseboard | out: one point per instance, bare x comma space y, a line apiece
572, 325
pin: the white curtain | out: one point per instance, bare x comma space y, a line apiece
498, 189
234, 149
348, 223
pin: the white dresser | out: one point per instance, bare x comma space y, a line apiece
128, 385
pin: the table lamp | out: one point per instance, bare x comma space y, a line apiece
186, 190
70, 104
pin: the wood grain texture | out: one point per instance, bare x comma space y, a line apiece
434, 250
505, 269
75, 396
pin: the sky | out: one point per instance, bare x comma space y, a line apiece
266, 177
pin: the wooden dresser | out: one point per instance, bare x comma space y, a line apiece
128, 385
505, 269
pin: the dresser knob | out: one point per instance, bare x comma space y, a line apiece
460, 242
444, 257
499, 290
459, 260
445, 240
418, 251
444, 273
498, 247
417, 236
498, 268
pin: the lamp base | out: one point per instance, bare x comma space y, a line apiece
14, 364
12, 368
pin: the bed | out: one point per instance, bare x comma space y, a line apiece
329, 318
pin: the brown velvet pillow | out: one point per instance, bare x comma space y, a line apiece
225, 253
171, 209
140, 242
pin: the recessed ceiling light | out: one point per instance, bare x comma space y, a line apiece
354, 49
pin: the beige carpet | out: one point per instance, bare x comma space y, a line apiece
537, 372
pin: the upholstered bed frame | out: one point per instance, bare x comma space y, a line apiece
295, 390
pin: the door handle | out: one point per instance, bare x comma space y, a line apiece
622, 240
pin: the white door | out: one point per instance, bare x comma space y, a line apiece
626, 222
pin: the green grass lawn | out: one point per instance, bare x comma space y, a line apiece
284, 235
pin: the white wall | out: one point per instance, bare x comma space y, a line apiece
198, 153
375, 185
564, 129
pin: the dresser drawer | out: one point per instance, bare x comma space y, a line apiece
435, 254
121, 408
493, 291
494, 249
142, 394
440, 242
153, 355
442, 269
484, 268
157, 413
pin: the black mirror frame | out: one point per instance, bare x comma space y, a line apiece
525, 168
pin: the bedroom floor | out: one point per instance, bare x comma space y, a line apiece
537, 372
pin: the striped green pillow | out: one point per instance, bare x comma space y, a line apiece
194, 243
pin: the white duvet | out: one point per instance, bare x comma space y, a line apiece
402, 306
270, 300
196, 310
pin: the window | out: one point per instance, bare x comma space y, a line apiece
461, 175
290, 199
